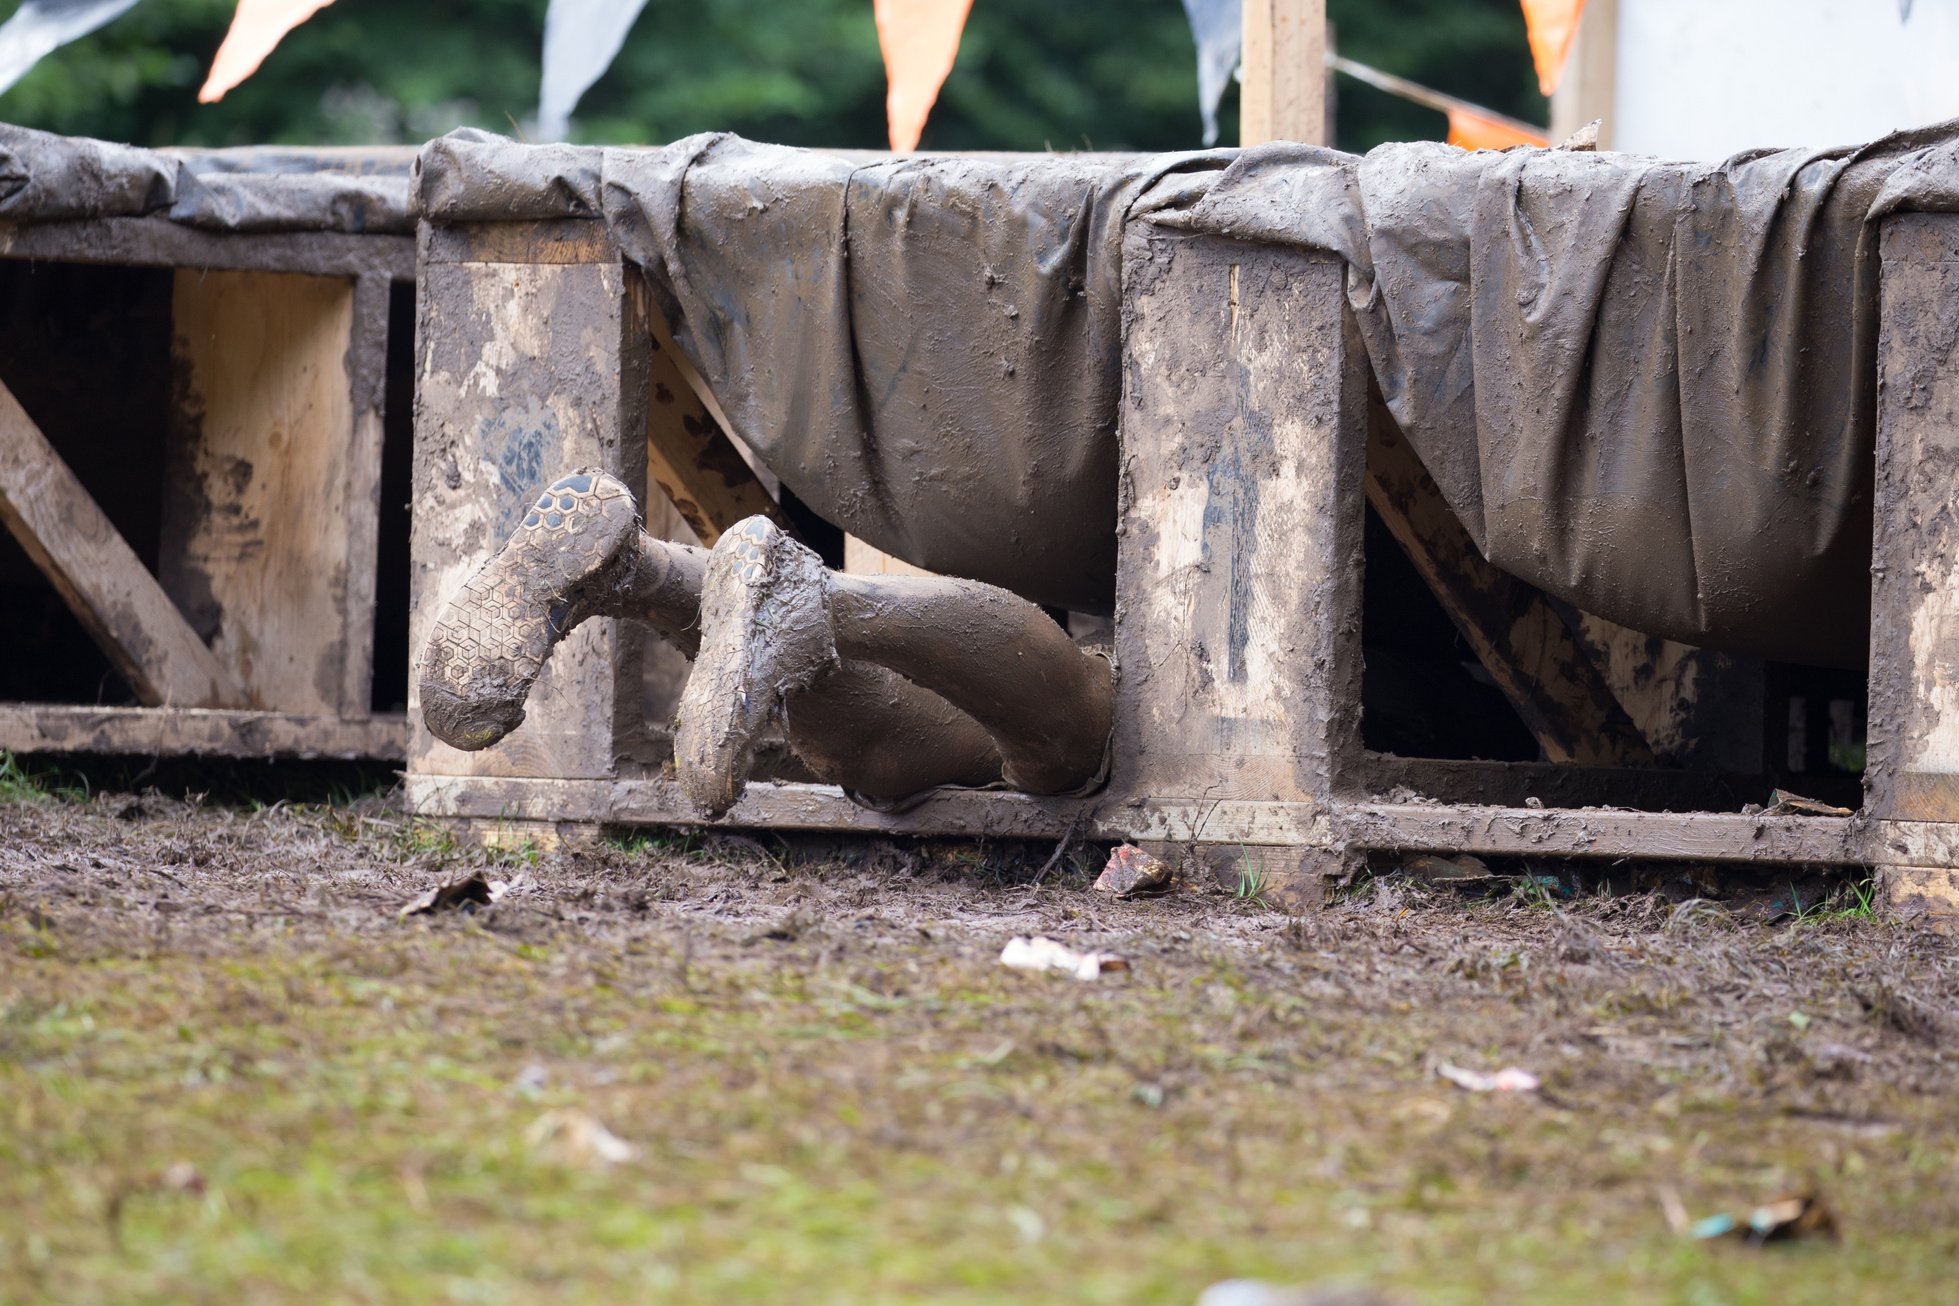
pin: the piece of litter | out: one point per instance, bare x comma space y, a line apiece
577, 1137
466, 895
1133, 873
1464, 869
1799, 1215
1044, 954
1784, 803
1508, 1080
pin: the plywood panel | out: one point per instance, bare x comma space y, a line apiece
270, 478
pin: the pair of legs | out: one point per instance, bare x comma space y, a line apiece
886, 685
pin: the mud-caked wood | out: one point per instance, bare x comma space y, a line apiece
1912, 773
1243, 430
526, 370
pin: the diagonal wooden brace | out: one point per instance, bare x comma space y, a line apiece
99, 576
1519, 637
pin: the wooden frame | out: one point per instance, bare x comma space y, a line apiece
1237, 631
255, 635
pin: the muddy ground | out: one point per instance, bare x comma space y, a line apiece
721, 1069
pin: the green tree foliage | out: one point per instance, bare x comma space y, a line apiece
1032, 74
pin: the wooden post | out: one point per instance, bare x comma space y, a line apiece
533, 357
1591, 75
1283, 93
1912, 770
274, 475
1244, 428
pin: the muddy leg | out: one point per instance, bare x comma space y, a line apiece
775, 622
996, 657
580, 553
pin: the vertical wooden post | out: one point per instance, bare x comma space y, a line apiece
1283, 94
533, 360
1244, 430
1591, 75
1912, 769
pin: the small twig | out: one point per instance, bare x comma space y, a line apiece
1069, 838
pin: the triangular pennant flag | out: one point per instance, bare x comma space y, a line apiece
1477, 131
40, 27
1218, 27
920, 39
256, 30
1551, 25
581, 39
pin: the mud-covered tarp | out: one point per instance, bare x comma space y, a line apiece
1647, 387
49, 178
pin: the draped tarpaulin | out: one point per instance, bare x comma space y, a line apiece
1646, 387
49, 178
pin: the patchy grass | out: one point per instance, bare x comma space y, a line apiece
228, 1073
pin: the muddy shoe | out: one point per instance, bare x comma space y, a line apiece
765, 633
574, 546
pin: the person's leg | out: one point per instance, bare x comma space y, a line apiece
580, 553
775, 622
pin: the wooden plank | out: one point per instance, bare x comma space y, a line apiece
1604, 833
1517, 635
158, 242
1266, 833
555, 240
270, 476
527, 371
1243, 427
1282, 95
1510, 784
1697, 708
99, 577
1914, 680
367, 368
688, 452
177, 732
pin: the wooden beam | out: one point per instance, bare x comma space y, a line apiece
1519, 637
1591, 75
688, 452
1912, 774
158, 242
272, 476
99, 576
182, 732
1238, 566
1261, 833
1283, 92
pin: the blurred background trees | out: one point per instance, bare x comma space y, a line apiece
1032, 74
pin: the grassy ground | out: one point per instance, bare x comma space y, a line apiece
228, 1072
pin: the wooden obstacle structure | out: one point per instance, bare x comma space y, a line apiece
217, 533
1238, 633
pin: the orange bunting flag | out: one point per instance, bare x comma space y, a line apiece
1476, 131
256, 30
1551, 24
920, 39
